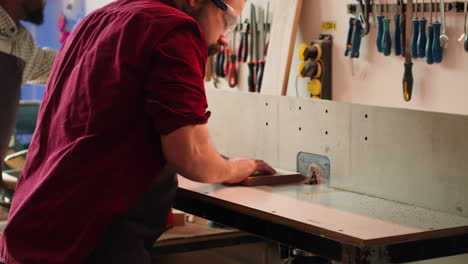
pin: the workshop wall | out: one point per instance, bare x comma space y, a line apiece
375, 79
92, 5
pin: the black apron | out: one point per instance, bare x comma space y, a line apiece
130, 238
11, 74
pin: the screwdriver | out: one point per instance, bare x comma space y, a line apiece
380, 31
397, 34
408, 80
415, 34
436, 47
422, 39
403, 29
430, 34
387, 40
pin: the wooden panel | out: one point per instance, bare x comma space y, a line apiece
283, 36
281, 177
344, 216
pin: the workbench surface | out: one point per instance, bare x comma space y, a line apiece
348, 218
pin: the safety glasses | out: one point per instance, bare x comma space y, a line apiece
230, 16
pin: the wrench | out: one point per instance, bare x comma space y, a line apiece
363, 15
443, 37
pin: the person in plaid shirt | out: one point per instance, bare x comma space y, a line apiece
15, 40
18, 41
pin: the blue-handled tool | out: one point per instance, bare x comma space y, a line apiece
437, 52
422, 38
415, 34
355, 52
386, 38
430, 35
380, 32
398, 31
349, 41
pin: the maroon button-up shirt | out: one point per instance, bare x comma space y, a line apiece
130, 71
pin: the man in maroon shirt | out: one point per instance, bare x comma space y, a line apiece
124, 110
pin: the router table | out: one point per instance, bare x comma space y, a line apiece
339, 225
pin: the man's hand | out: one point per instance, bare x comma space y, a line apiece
246, 167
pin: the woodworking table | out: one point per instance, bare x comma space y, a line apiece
336, 224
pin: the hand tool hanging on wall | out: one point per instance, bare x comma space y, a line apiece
219, 63
253, 63
408, 75
422, 39
436, 48
349, 41
430, 35
267, 28
415, 34
261, 48
222, 62
360, 29
232, 68
386, 38
243, 51
403, 29
398, 29
466, 26
227, 60
380, 28
363, 15
356, 43
443, 36
464, 36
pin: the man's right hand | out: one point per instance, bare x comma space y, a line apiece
246, 167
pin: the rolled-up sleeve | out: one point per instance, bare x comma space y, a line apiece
175, 92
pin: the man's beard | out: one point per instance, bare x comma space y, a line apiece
35, 16
213, 49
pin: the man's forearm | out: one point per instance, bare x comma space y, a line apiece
191, 152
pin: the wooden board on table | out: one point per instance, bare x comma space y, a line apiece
281, 177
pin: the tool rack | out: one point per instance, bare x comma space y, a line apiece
455, 7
